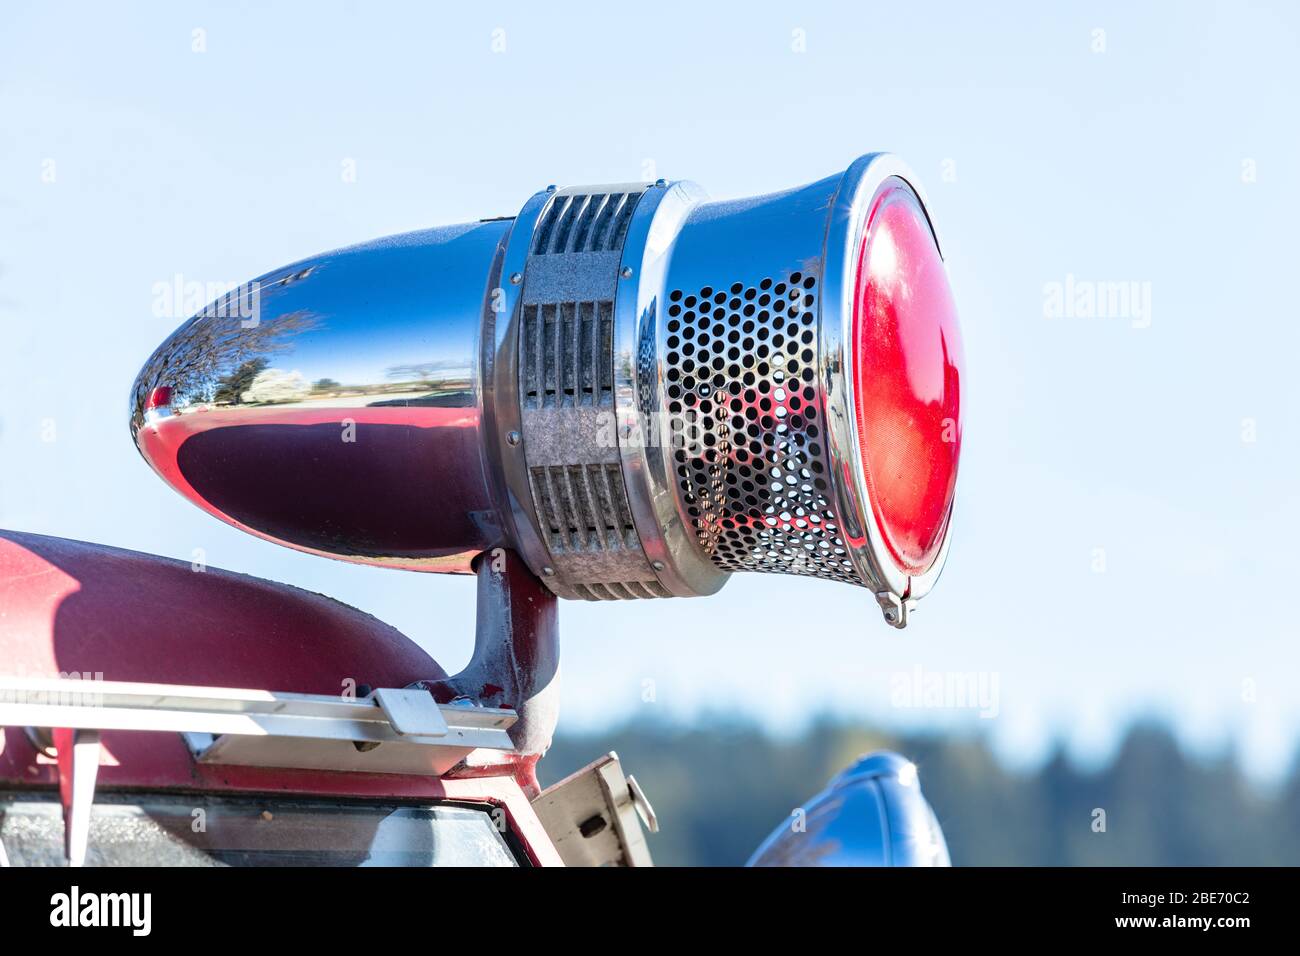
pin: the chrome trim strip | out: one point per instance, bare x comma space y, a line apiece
505, 419
844, 233
667, 535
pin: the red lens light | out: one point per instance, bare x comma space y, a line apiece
906, 378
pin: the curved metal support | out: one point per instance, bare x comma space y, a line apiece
516, 664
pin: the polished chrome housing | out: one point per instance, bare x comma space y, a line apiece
872, 814
742, 313
648, 444
637, 389
736, 336
343, 413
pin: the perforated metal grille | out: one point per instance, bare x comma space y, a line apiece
585, 223
741, 363
568, 354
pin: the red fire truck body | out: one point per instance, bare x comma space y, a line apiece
94, 616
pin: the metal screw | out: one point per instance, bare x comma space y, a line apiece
548, 571
627, 272
657, 565
517, 278
889, 616
513, 438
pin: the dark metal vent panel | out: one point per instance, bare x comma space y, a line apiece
620, 590
583, 508
568, 354
584, 223
741, 370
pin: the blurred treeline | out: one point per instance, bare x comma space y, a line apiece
719, 791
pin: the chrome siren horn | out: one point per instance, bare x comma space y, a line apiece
639, 390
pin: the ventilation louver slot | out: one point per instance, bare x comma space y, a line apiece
585, 223
620, 590
568, 358
583, 507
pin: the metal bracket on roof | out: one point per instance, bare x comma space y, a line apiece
391, 731
412, 712
515, 664
594, 816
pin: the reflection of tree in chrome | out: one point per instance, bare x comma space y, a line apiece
231, 387
274, 385
201, 358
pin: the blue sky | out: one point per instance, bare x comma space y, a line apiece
1164, 450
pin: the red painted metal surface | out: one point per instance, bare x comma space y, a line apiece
70, 606
73, 608
284, 475
516, 664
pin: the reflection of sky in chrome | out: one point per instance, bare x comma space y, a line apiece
1079, 435
363, 331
